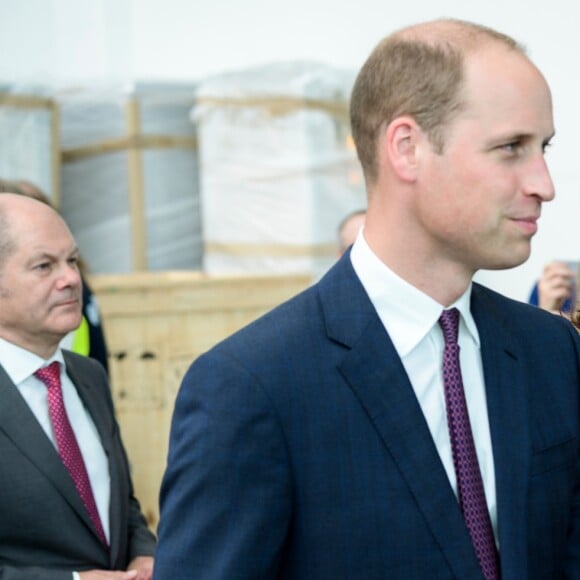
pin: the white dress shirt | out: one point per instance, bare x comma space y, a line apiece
410, 318
20, 365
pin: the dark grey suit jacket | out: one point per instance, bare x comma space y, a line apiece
45, 531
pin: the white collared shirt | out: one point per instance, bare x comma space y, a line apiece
411, 319
20, 365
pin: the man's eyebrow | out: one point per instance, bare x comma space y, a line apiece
519, 136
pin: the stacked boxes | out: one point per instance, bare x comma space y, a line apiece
277, 173
130, 177
29, 147
248, 172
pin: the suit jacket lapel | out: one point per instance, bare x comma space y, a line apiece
96, 404
20, 425
507, 408
93, 401
375, 373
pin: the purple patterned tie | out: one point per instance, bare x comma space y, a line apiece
469, 482
66, 442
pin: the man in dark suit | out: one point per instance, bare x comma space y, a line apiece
66, 497
397, 420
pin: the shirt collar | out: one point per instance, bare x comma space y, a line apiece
407, 314
20, 363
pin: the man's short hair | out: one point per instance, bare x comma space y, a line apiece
417, 71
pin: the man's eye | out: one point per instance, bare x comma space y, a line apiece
511, 147
42, 266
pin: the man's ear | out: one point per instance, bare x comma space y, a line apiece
400, 147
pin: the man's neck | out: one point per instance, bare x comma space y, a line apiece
43, 349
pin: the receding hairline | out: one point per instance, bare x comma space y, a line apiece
13, 201
454, 33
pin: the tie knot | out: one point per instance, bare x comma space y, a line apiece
449, 322
49, 375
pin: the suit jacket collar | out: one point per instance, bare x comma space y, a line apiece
376, 375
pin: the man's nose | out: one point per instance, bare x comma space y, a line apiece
539, 181
69, 276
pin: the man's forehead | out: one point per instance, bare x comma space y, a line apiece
495, 62
503, 77
34, 244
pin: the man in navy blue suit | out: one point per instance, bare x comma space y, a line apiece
314, 444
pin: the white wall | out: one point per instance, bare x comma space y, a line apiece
78, 41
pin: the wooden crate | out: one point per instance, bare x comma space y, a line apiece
156, 324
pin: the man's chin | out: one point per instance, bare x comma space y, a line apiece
515, 259
67, 325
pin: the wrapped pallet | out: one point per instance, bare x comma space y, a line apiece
277, 168
29, 137
130, 177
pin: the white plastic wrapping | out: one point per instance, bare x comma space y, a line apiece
277, 173
28, 137
98, 188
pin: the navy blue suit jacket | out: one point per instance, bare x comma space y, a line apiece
299, 451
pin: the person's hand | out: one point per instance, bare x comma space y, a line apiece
107, 575
143, 565
555, 286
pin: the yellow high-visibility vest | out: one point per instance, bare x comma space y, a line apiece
81, 341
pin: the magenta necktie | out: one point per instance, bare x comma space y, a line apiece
469, 481
66, 442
